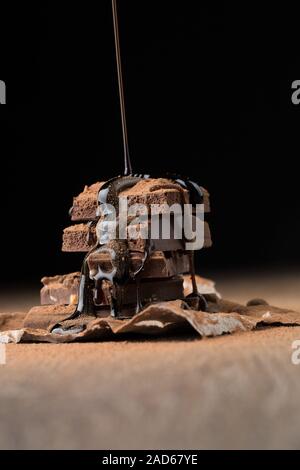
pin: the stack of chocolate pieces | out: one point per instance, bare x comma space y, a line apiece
162, 277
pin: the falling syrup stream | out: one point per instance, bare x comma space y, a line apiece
127, 162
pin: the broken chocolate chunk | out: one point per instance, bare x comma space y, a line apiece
61, 289
158, 266
81, 238
149, 191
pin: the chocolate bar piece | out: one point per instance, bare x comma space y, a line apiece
41, 317
158, 266
61, 289
137, 241
78, 238
85, 204
151, 290
161, 191
148, 191
81, 237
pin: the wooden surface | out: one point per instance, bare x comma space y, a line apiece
239, 391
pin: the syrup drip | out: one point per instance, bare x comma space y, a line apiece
120, 275
127, 162
109, 195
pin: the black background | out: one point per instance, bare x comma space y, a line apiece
208, 94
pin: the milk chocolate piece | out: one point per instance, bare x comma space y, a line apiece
149, 191
76, 239
151, 290
205, 286
158, 266
41, 317
61, 289
207, 236
167, 244
161, 191
85, 204
155, 319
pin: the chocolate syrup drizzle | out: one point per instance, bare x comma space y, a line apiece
118, 249
127, 162
121, 274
